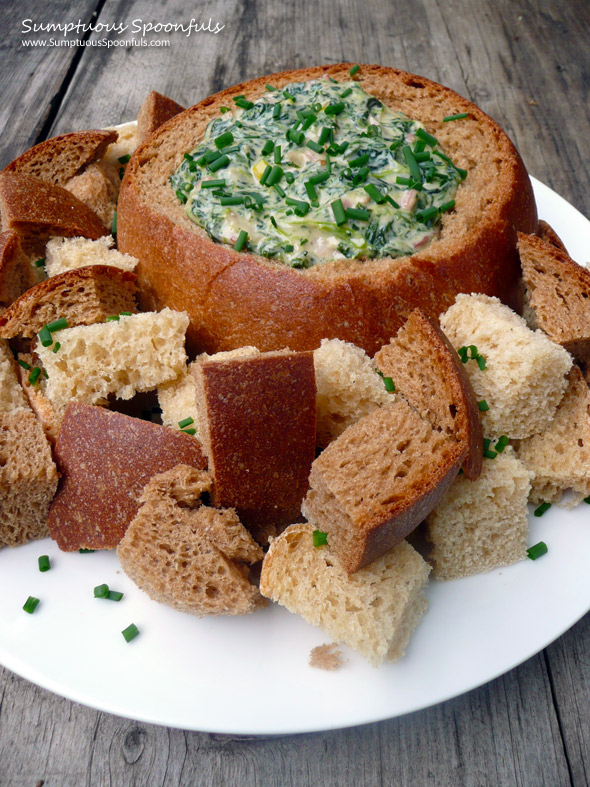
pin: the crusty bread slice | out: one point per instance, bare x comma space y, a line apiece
105, 459
49, 418
257, 424
546, 232
97, 191
348, 388
36, 210
525, 373
376, 482
188, 556
481, 525
16, 272
66, 254
559, 458
12, 395
121, 357
28, 478
557, 293
58, 159
83, 297
427, 372
155, 110
373, 611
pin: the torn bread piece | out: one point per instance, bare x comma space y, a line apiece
12, 396
66, 254
16, 272
376, 482
373, 611
524, 374
481, 525
98, 188
187, 555
559, 457
427, 372
105, 459
33, 385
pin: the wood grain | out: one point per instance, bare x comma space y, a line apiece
528, 65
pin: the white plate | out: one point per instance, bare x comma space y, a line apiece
250, 675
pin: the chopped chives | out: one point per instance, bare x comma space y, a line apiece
114, 595
300, 207
426, 137
403, 181
241, 241
411, 162
427, 214
488, 452
114, 224
191, 430
360, 176
101, 591
310, 189
537, 550
271, 88
112, 318
360, 161
419, 147
44, 564
208, 157
40, 263
462, 172
24, 364
374, 193
45, 336
501, 443
346, 93
186, 422
391, 201
31, 604
276, 111
243, 103
447, 206
288, 95
387, 382
265, 175
338, 211
540, 510
354, 69
85, 551
459, 116
334, 109
268, 148
289, 177
57, 325
421, 155
320, 177
483, 406
181, 196
223, 110
237, 200
320, 539
361, 214
314, 146
587, 500
295, 136
279, 190
219, 163
34, 375
213, 184
481, 362
124, 159
324, 135
277, 154
130, 632
275, 175
224, 140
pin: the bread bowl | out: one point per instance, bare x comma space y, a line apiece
236, 298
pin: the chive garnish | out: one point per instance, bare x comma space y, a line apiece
300, 207
319, 177
501, 443
101, 591
360, 161
114, 224
320, 539
421, 155
387, 382
275, 175
276, 111
334, 109
314, 146
268, 148
114, 595
40, 263
483, 406
346, 93
338, 211
295, 136
130, 632
243, 103
279, 190
419, 147
277, 154
44, 564
85, 551
31, 604
191, 430
459, 116
361, 214
354, 69
271, 88
219, 163
124, 159
426, 137
241, 241
537, 550
24, 364
224, 140
462, 172
288, 95
45, 336
427, 214
181, 196
587, 500
265, 175
112, 318
540, 510
34, 375
447, 206
57, 325
391, 201
289, 177
186, 422
223, 110
411, 162
488, 452
324, 135
374, 193
237, 200
310, 189
212, 184
481, 362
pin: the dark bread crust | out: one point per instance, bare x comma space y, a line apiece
16, 272
236, 298
154, 112
105, 459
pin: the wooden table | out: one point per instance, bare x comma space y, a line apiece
525, 63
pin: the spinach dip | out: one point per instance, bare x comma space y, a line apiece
314, 172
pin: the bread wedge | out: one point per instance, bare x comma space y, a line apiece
16, 272
97, 191
235, 298
155, 110
66, 254
105, 459
58, 159
374, 611
34, 390
374, 484
546, 232
186, 555
427, 372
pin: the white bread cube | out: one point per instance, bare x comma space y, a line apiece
67, 254
481, 525
525, 375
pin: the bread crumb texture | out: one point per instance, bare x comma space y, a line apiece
327, 657
559, 458
186, 555
135, 353
28, 478
348, 387
124, 146
12, 395
483, 524
525, 375
66, 254
373, 611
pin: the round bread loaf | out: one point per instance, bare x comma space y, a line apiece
238, 298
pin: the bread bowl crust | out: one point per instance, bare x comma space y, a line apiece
236, 298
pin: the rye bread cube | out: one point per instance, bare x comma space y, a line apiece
257, 421
105, 459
